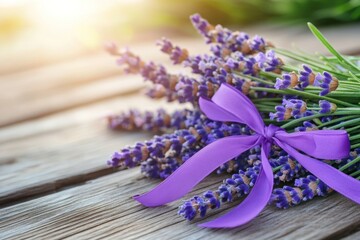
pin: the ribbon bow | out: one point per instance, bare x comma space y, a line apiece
230, 105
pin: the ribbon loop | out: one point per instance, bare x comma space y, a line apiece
323, 144
216, 113
228, 98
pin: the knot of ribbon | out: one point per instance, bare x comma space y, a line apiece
230, 105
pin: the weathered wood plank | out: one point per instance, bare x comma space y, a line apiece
36, 107
50, 89
45, 150
353, 236
103, 208
31, 50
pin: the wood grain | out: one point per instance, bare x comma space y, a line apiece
42, 158
103, 208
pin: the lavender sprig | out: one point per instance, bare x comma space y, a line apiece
236, 186
178, 145
304, 189
226, 41
158, 121
176, 54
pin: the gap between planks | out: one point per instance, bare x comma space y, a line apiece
64, 152
103, 209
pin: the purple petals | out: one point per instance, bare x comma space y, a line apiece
307, 77
232, 188
287, 80
326, 107
290, 108
177, 54
327, 82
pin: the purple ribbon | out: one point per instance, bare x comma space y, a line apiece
230, 105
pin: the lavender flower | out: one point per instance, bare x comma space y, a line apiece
307, 126
179, 145
159, 147
304, 189
290, 108
257, 43
286, 197
298, 107
177, 54
201, 25
133, 63
312, 186
157, 74
163, 167
307, 77
157, 121
326, 106
327, 82
269, 62
281, 113
235, 187
289, 170
288, 80
227, 42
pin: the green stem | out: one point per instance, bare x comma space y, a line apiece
349, 130
346, 123
317, 121
303, 94
349, 164
355, 146
336, 121
254, 78
354, 137
354, 77
331, 49
277, 168
299, 120
355, 173
309, 62
266, 100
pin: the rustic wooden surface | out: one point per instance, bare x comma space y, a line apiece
54, 183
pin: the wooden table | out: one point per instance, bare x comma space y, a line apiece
54, 182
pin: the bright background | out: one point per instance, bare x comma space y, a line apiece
87, 24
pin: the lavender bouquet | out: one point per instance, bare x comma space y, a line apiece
303, 93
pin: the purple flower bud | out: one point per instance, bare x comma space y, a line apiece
327, 82
201, 24
307, 126
307, 77
257, 43
326, 106
177, 55
231, 188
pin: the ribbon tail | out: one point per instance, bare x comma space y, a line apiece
323, 144
340, 182
254, 203
196, 168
